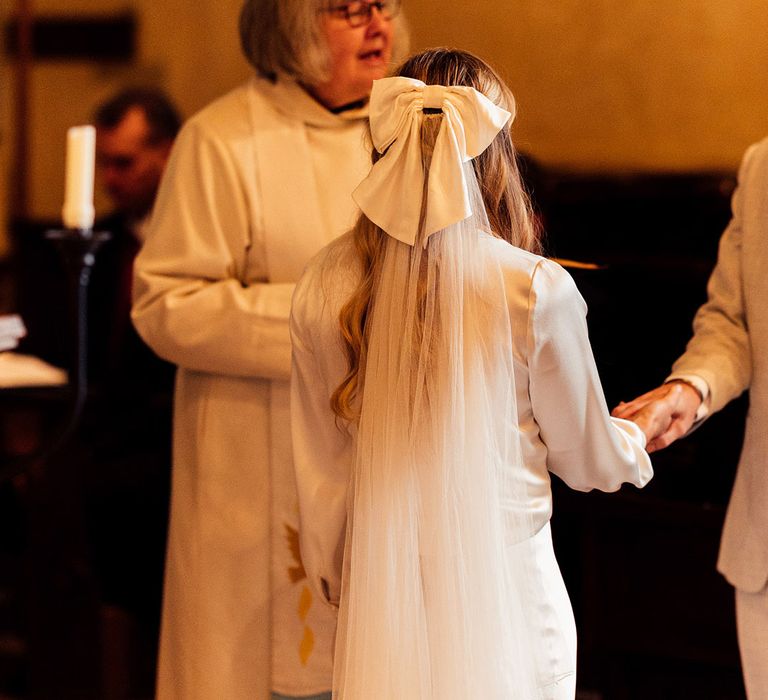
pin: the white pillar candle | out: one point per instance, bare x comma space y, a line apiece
78, 209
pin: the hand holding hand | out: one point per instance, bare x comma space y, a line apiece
664, 414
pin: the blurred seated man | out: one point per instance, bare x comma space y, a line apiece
135, 132
127, 424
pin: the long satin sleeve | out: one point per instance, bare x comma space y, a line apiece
321, 452
192, 301
586, 447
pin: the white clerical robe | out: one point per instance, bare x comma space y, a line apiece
257, 183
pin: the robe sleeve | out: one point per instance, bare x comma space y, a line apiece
322, 453
192, 303
720, 351
586, 447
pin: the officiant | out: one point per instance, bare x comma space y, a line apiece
257, 183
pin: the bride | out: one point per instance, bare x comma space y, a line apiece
441, 370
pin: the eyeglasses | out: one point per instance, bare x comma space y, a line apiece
359, 13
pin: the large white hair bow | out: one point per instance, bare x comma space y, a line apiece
391, 194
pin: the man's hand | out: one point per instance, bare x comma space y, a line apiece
664, 414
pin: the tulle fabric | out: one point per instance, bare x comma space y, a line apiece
434, 598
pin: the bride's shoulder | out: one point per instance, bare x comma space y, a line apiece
331, 274
517, 262
528, 273
340, 253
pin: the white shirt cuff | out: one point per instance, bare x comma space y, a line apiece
701, 386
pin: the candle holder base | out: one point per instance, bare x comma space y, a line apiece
78, 246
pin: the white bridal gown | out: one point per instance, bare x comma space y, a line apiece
564, 422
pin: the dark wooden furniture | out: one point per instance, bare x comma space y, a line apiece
655, 619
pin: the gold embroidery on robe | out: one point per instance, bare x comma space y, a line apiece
295, 573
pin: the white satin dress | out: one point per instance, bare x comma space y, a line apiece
565, 429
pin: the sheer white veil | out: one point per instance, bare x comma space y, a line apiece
436, 570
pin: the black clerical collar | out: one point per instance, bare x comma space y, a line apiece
357, 104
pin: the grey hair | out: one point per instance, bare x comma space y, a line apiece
283, 37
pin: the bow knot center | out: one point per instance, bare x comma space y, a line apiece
433, 96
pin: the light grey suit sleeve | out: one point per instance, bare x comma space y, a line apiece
720, 351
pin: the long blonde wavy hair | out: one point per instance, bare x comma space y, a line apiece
506, 202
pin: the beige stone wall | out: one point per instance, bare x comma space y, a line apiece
601, 84
193, 53
605, 84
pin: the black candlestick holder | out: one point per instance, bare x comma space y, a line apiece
78, 249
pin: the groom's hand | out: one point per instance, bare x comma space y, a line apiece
664, 414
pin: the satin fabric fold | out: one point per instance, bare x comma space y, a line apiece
390, 196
